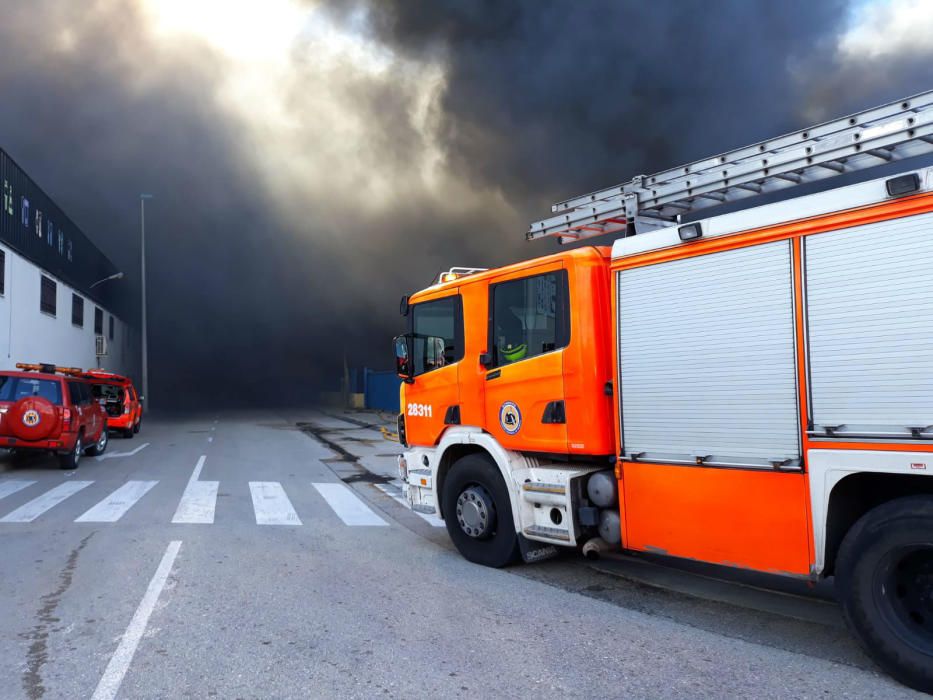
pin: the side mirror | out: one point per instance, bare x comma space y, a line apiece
403, 366
403, 306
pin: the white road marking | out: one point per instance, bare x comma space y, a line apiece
8, 488
196, 474
271, 505
197, 503
114, 507
348, 506
28, 512
114, 455
432, 519
210, 439
110, 682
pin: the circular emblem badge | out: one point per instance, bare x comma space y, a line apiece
31, 417
510, 418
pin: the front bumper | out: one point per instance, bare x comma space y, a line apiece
418, 484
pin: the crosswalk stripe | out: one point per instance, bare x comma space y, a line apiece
347, 505
395, 493
271, 505
8, 488
30, 511
197, 503
114, 507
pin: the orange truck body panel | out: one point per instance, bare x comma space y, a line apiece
751, 519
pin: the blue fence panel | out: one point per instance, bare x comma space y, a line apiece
381, 390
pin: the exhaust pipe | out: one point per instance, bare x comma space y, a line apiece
595, 548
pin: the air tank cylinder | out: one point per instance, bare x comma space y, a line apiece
603, 489
610, 526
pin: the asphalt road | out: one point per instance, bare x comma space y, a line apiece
279, 580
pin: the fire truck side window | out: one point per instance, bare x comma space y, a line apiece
437, 327
530, 317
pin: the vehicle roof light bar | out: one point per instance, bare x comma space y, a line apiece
456, 273
49, 369
894, 131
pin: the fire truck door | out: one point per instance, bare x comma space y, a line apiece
528, 329
437, 348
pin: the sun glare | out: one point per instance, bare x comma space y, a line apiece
241, 29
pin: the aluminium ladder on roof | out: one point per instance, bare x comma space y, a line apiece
893, 131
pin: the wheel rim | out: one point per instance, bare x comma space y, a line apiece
904, 594
102, 443
78, 448
476, 512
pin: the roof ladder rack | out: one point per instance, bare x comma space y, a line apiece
895, 131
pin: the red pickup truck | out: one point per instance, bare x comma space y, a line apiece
52, 409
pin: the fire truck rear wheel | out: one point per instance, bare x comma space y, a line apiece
478, 514
884, 577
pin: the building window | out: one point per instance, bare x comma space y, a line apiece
98, 321
110, 330
2, 272
529, 317
47, 296
77, 310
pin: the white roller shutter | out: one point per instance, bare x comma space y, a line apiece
870, 314
707, 359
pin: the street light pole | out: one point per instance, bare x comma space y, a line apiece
115, 276
145, 339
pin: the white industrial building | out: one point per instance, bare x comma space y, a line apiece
54, 302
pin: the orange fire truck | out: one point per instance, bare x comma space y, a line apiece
744, 378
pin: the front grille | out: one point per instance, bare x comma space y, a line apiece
401, 430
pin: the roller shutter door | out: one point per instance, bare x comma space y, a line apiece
870, 320
707, 359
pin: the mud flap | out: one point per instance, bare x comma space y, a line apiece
535, 551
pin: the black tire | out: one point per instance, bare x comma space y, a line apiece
138, 426
99, 447
73, 458
884, 578
128, 433
496, 544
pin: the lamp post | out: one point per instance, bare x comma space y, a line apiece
115, 276
145, 339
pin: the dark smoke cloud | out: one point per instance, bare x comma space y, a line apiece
551, 98
279, 243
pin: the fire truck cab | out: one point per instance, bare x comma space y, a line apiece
749, 388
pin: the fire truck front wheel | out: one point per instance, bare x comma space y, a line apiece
478, 514
884, 576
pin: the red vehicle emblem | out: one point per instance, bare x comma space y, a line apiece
31, 418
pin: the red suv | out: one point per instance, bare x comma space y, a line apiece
118, 396
53, 409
